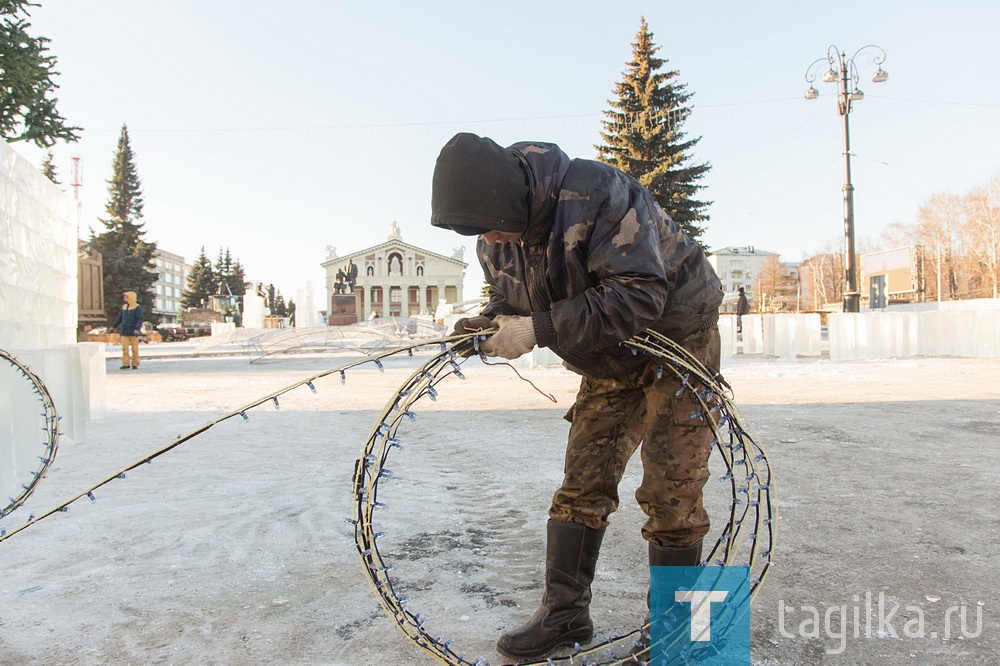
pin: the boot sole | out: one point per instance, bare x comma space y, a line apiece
566, 641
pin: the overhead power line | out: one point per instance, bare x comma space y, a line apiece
444, 123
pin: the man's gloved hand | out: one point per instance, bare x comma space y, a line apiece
515, 338
468, 325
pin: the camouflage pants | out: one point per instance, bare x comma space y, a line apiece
610, 418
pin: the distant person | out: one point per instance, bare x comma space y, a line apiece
129, 319
742, 308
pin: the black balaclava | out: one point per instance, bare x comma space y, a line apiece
479, 186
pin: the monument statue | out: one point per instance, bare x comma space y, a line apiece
394, 231
350, 275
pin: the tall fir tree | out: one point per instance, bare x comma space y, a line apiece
201, 283
279, 308
27, 82
644, 137
127, 256
230, 272
238, 279
223, 266
49, 169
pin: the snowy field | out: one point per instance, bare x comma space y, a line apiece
233, 549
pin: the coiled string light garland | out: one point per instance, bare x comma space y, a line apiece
752, 512
50, 427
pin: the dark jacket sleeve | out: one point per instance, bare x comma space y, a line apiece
118, 319
497, 305
138, 317
630, 288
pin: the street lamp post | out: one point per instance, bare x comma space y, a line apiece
844, 70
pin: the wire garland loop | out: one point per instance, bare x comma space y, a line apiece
50, 426
747, 539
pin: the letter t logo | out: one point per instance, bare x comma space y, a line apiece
701, 611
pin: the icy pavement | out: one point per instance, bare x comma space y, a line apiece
232, 548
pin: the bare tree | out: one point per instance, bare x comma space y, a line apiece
897, 234
767, 283
982, 238
956, 249
823, 276
938, 223
817, 267
775, 286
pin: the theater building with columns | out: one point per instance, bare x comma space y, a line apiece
394, 279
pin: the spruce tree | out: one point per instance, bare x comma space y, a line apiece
231, 273
237, 280
128, 258
643, 135
27, 106
223, 263
279, 308
223, 266
49, 169
201, 283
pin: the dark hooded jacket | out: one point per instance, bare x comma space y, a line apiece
130, 316
599, 261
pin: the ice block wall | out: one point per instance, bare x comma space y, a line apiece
38, 295
38, 249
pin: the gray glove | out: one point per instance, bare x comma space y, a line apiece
515, 338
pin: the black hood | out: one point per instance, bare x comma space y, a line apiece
480, 186
547, 166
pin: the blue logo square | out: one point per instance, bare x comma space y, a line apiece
699, 615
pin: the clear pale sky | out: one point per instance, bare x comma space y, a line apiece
278, 128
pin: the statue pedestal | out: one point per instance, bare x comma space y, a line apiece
343, 310
254, 310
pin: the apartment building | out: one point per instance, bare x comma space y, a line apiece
169, 286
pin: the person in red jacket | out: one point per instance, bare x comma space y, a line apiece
579, 257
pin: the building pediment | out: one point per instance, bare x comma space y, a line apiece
388, 247
391, 279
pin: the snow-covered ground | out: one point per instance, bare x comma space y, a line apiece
233, 549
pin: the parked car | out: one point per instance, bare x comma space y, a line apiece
171, 333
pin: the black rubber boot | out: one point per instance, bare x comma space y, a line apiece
663, 557
564, 617
674, 557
